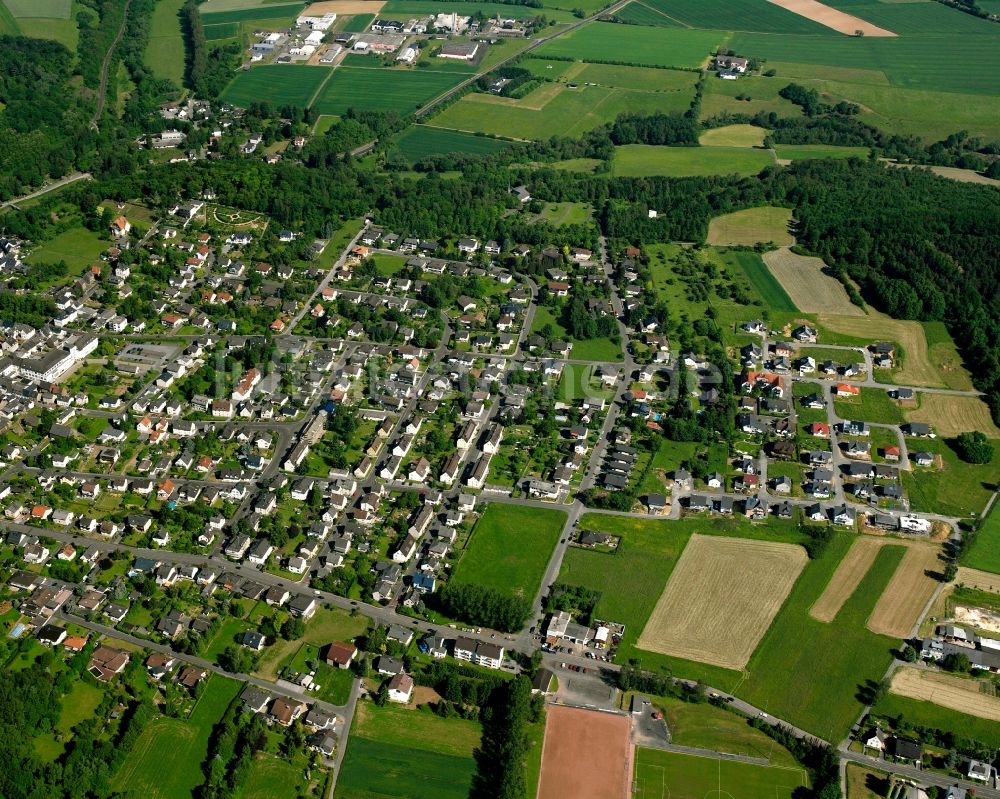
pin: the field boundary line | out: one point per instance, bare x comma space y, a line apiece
663, 13
315, 96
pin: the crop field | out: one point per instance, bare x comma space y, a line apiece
721, 598
555, 109
398, 752
644, 79
953, 415
607, 770
752, 226
908, 592
956, 693
825, 698
382, 89
665, 47
847, 578
243, 14
637, 13
639, 160
276, 83
925, 362
733, 136
759, 16
510, 548
802, 152
166, 761
833, 18
406, 9
222, 30
672, 775
165, 48
811, 290
419, 142
769, 289
985, 552
977, 579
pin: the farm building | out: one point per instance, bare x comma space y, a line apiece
460, 51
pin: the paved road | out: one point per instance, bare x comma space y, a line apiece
919, 775
57, 184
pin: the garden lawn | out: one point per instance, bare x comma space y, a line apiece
510, 547
78, 247
382, 89
985, 552
666, 47
641, 160
165, 48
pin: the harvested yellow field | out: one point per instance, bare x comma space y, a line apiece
845, 580
907, 593
733, 136
811, 290
955, 693
752, 226
980, 580
343, 7
950, 416
832, 18
721, 598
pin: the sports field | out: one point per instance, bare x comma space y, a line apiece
605, 773
419, 142
666, 47
641, 160
406, 753
810, 288
721, 598
382, 89
752, 226
165, 48
279, 84
510, 548
956, 693
671, 775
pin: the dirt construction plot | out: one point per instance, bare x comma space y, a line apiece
936, 368
720, 599
832, 18
956, 693
344, 7
907, 593
587, 754
811, 290
950, 416
846, 578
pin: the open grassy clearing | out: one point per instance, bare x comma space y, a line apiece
665, 47
721, 598
810, 288
595, 349
636, 78
78, 247
953, 415
833, 18
737, 15
419, 141
908, 592
565, 213
733, 136
270, 776
641, 160
985, 552
382, 89
752, 226
328, 625
871, 405
510, 548
671, 775
165, 48
53, 9
950, 487
803, 152
278, 84
963, 694
555, 109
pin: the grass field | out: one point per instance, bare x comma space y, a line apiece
52, 9
419, 142
640, 160
398, 752
958, 488
737, 15
962, 694
165, 48
358, 23
908, 592
770, 290
720, 599
278, 84
670, 775
803, 152
848, 576
733, 136
328, 625
985, 552
404, 9
811, 289
565, 213
382, 89
871, 405
78, 247
756, 95
665, 47
595, 349
510, 548
268, 777
166, 761
863, 783
258, 11
554, 109
752, 226
929, 714
953, 415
